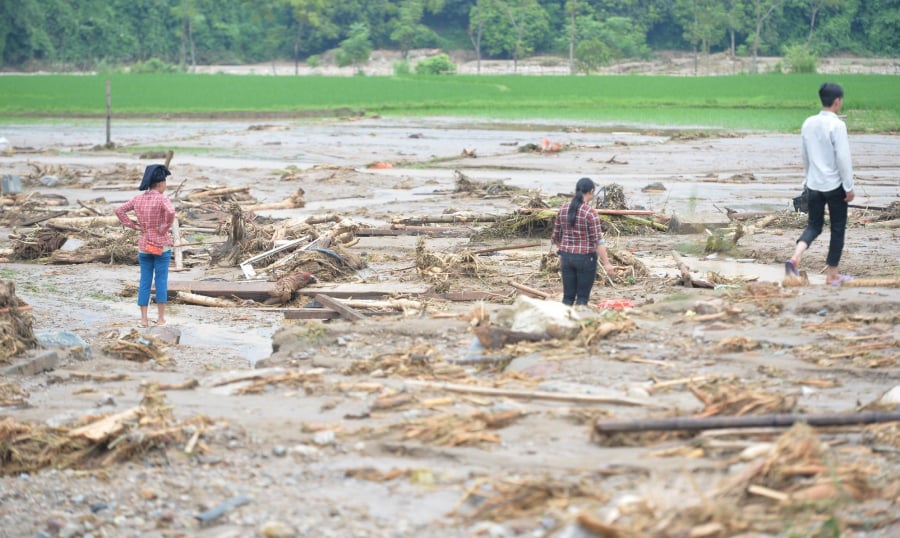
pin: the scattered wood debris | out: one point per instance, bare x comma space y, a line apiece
16, 332
97, 442
138, 347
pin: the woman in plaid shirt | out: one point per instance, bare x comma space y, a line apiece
155, 216
579, 239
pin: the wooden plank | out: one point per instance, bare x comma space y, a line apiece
249, 289
310, 313
345, 311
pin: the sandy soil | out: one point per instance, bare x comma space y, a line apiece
317, 459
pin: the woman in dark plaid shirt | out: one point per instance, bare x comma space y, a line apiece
579, 239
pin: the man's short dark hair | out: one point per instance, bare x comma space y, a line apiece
828, 92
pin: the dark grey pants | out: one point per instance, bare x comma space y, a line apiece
578, 274
837, 211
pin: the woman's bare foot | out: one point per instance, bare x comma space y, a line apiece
144, 323
160, 322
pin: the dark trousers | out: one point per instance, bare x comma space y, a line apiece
837, 211
578, 274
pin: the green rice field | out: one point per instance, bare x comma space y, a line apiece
772, 102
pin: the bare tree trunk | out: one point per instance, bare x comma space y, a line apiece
297, 49
812, 23
191, 39
476, 44
572, 45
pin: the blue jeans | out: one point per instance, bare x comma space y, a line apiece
151, 266
837, 211
578, 274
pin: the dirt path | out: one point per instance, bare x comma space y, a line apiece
323, 453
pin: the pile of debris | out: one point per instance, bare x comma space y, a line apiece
16, 333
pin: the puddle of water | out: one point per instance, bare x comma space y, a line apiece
727, 267
252, 345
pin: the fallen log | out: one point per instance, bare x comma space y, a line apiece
203, 300
82, 255
67, 223
784, 420
212, 193
895, 223
400, 229
446, 219
873, 282
529, 395
510, 247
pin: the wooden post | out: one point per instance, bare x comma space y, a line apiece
108, 113
177, 249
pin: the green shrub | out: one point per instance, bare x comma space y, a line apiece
591, 54
154, 65
436, 65
401, 67
314, 61
800, 59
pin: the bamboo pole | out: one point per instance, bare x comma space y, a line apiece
746, 421
528, 395
510, 247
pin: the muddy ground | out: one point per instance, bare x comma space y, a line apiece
346, 437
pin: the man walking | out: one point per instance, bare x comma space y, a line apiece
828, 179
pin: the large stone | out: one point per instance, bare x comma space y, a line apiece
42, 361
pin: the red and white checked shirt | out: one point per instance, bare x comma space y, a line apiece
583, 237
155, 216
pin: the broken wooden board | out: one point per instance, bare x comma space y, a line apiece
310, 313
345, 311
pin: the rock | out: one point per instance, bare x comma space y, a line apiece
891, 397
43, 361
77, 347
49, 181
166, 334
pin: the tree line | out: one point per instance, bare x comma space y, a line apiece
97, 34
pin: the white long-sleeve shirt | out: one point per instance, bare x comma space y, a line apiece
826, 153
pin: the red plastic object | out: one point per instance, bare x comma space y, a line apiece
615, 304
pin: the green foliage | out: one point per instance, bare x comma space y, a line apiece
799, 59
762, 102
356, 49
153, 65
590, 55
314, 61
436, 65
63, 34
401, 68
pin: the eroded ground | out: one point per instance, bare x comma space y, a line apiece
351, 428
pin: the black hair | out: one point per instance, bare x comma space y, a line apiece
584, 185
153, 174
828, 92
